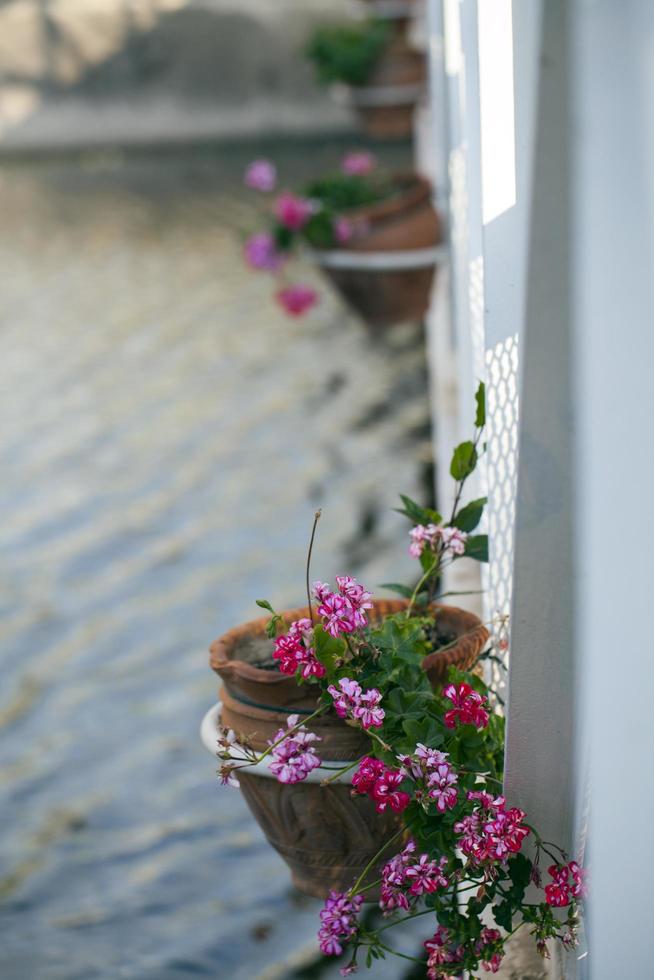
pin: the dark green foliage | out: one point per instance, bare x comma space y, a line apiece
347, 53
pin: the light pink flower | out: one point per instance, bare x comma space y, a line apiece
350, 701
343, 230
294, 757
261, 175
338, 922
291, 211
367, 710
261, 252
358, 163
338, 615
449, 539
297, 299
227, 777
343, 611
426, 876
442, 787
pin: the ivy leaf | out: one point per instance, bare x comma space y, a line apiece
503, 915
402, 590
477, 547
464, 460
480, 398
469, 516
328, 649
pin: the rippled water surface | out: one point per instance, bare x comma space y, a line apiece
166, 436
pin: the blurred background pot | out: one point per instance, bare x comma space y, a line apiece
386, 270
387, 101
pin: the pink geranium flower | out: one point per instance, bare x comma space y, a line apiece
350, 701
261, 252
261, 175
468, 706
359, 163
338, 922
297, 299
343, 230
293, 212
294, 757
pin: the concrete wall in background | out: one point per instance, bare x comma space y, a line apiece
88, 72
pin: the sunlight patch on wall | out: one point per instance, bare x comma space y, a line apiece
495, 25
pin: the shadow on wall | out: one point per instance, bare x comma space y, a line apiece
134, 71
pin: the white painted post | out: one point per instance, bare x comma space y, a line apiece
612, 204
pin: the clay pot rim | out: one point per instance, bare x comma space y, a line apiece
415, 190
473, 631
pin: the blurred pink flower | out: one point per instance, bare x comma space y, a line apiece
297, 299
343, 230
261, 175
359, 163
292, 211
261, 252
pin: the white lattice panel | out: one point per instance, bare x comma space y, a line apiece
501, 475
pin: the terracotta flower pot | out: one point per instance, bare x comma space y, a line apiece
325, 835
386, 103
386, 270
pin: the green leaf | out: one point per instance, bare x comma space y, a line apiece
264, 604
416, 513
402, 590
477, 547
503, 915
469, 516
480, 398
328, 649
464, 460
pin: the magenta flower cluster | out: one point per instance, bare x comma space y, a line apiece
293, 213
434, 774
351, 701
338, 922
433, 536
295, 651
491, 832
468, 706
569, 882
405, 878
343, 611
293, 754
381, 784
443, 956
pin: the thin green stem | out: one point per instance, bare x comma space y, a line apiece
403, 956
373, 861
416, 591
316, 518
341, 772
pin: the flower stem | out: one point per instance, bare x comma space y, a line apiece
341, 772
316, 518
373, 861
